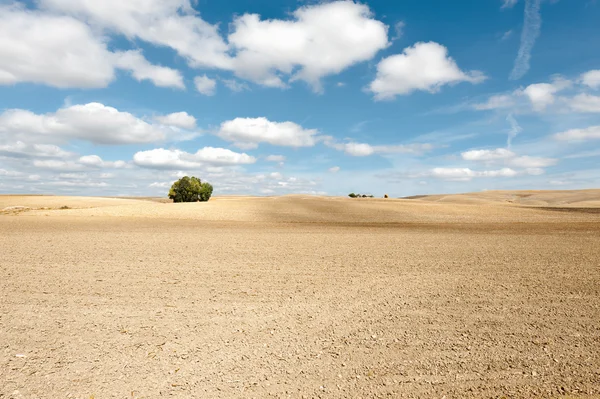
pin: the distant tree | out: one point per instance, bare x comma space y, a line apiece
352, 195
364, 195
385, 196
371, 196
190, 189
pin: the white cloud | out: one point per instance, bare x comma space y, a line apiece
334, 169
531, 31
21, 149
178, 119
141, 69
515, 129
487, 155
54, 164
531, 163
205, 85
424, 66
275, 158
249, 132
541, 95
53, 50
585, 103
398, 30
160, 184
509, 3
235, 85
591, 79
496, 102
507, 157
590, 133
320, 40
93, 122
171, 23
364, 149
506, 35
97, 162
464, 174
161, 158
63, 52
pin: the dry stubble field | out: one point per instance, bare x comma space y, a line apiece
485, 295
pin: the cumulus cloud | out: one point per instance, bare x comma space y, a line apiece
170, 23
20, 149
590, 133
92, 122
496, 102
591, 79
363, 149
205, 85
487, 155
320, 40
531, 31
63, 52
234, 85
464, 174
247, 133
178, 119
161, 158
585, 103
424, 66
541, 95
85, 162
141, 69
507, 157
23, 59
275, 158
96, 161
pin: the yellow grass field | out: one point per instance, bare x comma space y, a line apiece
484, 295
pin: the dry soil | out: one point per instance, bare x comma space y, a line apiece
484, 295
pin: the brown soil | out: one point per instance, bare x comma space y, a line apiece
297, 296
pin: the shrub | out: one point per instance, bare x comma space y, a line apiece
352, 195
206, 190
385, 196
190, 189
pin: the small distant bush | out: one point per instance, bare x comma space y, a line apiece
190, 189
65, 207
385, 196
352, 195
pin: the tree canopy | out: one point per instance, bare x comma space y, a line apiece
190, 189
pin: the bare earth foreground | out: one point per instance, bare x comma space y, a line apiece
485, 295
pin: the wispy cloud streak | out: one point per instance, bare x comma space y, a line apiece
531, 31
509, 3
515, 129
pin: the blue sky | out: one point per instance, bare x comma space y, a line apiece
278, 97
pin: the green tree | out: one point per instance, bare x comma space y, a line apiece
190, 189
205, 191
352, 195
